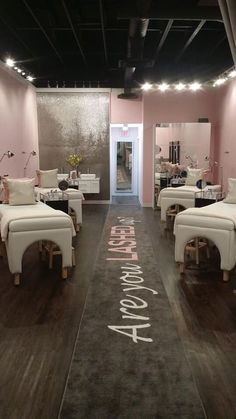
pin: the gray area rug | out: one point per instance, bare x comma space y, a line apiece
129, 361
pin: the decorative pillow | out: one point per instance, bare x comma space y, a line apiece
47, 178
21, 191
5, 191
193, 175
231, 195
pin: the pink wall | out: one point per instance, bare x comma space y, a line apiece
124, 111
171, 107
18, 124
225, 146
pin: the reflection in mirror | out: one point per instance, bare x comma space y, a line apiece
176, 147
124, 167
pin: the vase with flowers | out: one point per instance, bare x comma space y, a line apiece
74, 160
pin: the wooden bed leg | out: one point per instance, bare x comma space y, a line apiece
64, 273
182, 268
225, 276
73, 257
77, 228
17, 279
197, 250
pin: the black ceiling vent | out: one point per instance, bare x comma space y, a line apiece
128, 95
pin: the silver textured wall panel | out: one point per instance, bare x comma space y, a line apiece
75, 123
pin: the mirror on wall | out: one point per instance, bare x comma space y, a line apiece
124, 166
176, 147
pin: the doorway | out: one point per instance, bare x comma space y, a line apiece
124, 148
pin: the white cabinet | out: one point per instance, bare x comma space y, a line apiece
89, 185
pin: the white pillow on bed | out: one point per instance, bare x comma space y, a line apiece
47, 178
193, 175
21, 191
231, 195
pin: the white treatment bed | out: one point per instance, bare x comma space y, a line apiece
75, 201
183, 196
23, 225
216, 222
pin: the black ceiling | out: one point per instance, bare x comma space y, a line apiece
114, 43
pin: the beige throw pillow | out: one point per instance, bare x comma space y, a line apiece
47, 178
231, 195
193, 175
21, 191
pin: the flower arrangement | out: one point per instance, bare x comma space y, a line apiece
74, 160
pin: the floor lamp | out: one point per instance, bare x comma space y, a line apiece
32, 153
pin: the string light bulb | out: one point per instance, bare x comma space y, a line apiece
195, 86
146, 86
232, 74
220, 81
163, 87
180, 86
10, 62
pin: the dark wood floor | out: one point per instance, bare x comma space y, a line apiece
204, 309
39, 322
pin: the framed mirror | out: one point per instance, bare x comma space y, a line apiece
178, 146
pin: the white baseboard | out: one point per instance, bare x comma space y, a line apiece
146, 205
91, 201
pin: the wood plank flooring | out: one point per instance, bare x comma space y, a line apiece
204, 309
39, 322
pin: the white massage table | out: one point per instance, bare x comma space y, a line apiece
183, 196
216, 222
75, 201
23, 225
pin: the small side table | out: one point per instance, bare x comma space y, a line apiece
204, 198
57, 200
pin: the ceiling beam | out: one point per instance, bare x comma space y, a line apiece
42, 30
176, 13
191, 38
221, 40
174, 28
16, 35
103, 30
74, 32
163, 38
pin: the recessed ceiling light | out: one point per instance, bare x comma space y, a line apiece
10, 62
